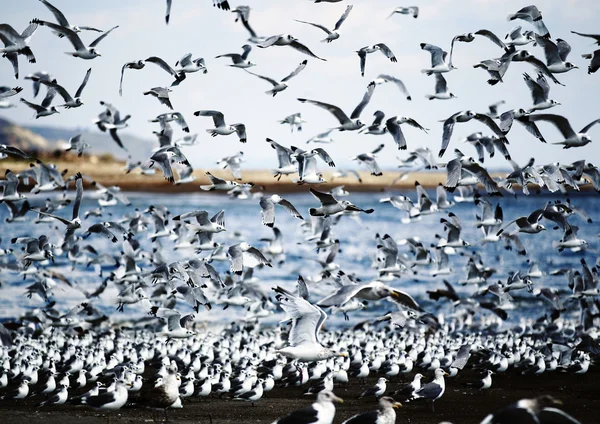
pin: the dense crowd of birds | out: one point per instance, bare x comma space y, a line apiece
164, 357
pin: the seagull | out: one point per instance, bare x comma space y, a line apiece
286, 160
78, 145
218, 184
377, 390
111, 120
70, 102
522, 116
267, 205
279, 86
516, 37
525, 56
306, 319
75, 222
240, 60
81, 50
383, 78
393, 126
236, 257
431, 391
483, 384
539, 92
572, 139
138, 64
16, 44
183, 66
411, 11
233, 162
323, 137
376, 128
369, 160
60, 18
464, 171
374, 290
362, 54
108, 401
595, 61
320, 412
527, 224
346, 124
331, 206
441, 89
333, 34
216, 224
439, 64
556, 54
466, 116
287, 40
44, 109
408, 390
162, 94
385, 414
36, 84
220, 127
532, 15
58, 398
294, 120
6, 92
532, 410
175, 324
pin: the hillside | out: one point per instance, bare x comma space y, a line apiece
34, 138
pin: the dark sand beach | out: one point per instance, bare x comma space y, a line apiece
459, 405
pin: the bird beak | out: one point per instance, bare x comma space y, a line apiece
445, 373
337, 399
343, 354
396, 405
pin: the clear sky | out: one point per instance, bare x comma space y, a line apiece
205, 31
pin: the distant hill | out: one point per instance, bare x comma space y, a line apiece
42, 138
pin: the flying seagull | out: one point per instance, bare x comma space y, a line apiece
221, 128
331, 206
43, 109
333, 34
556, 54
240, 60
70, 102
381, 47
440, 60
16, 44
532, 15
81, 50
267, 212
287, 40
393, 126
138, 64
346, 124
441, 89
62, 20
162, 94
572, 139
279, 86
183, 66
411, 11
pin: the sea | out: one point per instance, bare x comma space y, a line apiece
358, 246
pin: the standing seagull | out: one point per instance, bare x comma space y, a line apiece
320, 412
331, 35
307, 320
287, 40
221, 128
331, 206
362, 54
81, 50
347, 124
281, 85
16, 44
572, 139
384, 415
138, 64
432, 391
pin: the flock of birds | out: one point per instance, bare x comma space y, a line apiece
48, 353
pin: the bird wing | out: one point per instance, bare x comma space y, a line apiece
336, 111
29, 31
84, 83
161, 63
307, 319
218, 117
340, 21
290, 208
364, 102
538, 93
296, 71
267, 211
168, 12
78, 195
560, 122
236, 258
258, 256
396, 132
315, 25
491, 124
386, 51
57, 14
398, 83
53, 85
540, 66
270, 80
35, 107
325, 156
324, 198
102, 37
564, 49
585, 129
67, 32
437, 54
492, 37
302, 48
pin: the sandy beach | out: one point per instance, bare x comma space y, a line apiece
459, 405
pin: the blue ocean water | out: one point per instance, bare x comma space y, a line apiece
358, 249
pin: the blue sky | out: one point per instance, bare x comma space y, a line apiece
205, 31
